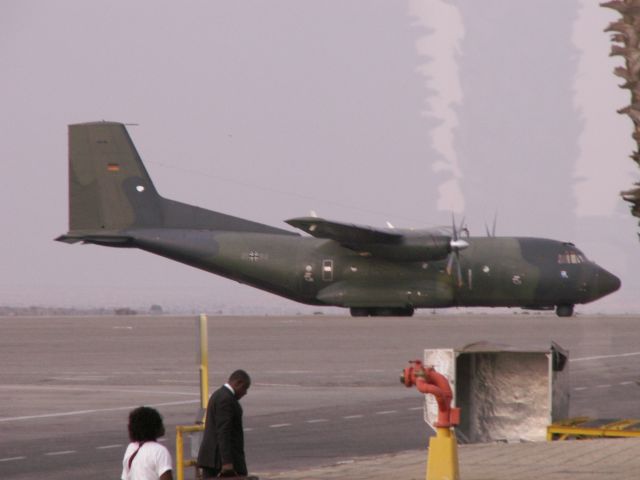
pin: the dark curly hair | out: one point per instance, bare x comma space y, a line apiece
145, 425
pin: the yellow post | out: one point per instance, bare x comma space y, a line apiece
204, 363
203, 349
179, 454
442, 461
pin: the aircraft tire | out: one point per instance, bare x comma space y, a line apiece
564, 310
359, 312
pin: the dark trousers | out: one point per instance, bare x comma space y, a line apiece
209, 473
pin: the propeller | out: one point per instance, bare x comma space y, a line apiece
456, 244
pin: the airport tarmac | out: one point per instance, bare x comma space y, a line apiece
325, 392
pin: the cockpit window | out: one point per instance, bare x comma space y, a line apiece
571, 257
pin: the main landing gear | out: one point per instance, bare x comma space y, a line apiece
564, 310
382, 312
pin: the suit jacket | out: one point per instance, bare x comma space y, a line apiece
223, 438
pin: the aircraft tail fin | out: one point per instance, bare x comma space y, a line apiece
109, 187
110, 191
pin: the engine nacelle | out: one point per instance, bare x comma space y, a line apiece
419, 248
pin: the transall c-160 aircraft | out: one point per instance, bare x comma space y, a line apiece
373, 272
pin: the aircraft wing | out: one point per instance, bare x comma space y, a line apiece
345, 233
397, 245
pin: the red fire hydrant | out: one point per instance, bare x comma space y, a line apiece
428, 381
442, 461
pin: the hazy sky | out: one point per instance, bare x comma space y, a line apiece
364, 111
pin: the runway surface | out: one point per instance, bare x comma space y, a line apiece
325, 389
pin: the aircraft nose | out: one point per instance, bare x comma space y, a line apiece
607, 282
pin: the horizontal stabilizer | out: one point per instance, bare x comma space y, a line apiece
98, 239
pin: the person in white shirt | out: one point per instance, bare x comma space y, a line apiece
145, 458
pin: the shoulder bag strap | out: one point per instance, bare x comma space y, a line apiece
134, 455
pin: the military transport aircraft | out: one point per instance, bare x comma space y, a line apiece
374, 272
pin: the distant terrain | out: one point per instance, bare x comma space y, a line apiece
36, 311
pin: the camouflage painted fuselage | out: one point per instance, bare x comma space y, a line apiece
496, 271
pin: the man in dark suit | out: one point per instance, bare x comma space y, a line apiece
222, 449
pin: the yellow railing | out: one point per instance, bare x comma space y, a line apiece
181, 462
585, 427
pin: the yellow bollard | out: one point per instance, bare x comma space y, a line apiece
442, 460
